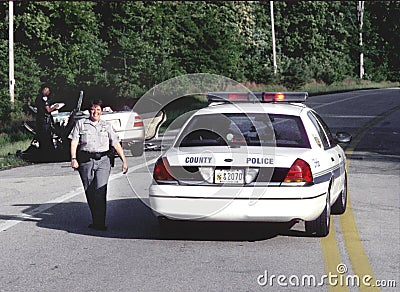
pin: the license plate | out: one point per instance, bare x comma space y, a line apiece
229, 176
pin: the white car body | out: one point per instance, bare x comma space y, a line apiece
130, 129
128, 125
188, 196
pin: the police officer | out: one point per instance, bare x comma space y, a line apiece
44, 121
90, 144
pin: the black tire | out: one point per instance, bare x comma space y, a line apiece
320, 226
137, 149
339, 207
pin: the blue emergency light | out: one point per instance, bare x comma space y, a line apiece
257, 96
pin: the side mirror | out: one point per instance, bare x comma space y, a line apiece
343, 137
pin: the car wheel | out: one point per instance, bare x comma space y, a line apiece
339, 207
320, 226
136, 149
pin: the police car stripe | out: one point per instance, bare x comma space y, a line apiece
329, 170
323, 178
326, 175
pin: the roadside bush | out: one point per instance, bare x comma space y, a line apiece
5, 107
12, 131
10, 113
296, 73
330, 67
4, 139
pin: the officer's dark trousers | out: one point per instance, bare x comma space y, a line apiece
45, 137
94, 175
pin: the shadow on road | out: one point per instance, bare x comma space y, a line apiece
132, 219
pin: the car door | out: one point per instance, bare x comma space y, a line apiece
332, 152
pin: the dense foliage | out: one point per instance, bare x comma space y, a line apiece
121, 49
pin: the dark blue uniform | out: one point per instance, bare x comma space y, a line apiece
44, 125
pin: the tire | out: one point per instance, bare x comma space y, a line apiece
339, 207
320, 226
137, 149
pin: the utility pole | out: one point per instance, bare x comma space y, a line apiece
271, 3
360, 16
11, 49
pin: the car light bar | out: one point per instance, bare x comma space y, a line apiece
257, 96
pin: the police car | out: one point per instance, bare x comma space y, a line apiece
262, 157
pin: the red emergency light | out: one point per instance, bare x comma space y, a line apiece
257, 96
238, 96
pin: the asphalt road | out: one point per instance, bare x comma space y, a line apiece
46, 245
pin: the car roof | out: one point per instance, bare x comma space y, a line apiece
293, 109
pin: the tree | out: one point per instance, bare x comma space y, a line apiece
317, 32
65, 38
141, 40
258, 50
26, 72
382, 41
124, 48
210, 38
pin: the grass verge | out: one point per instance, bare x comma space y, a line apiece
8, 158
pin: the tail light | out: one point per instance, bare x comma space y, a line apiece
138, 121
162, 170
300, 171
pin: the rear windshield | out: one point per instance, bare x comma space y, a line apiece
257, 129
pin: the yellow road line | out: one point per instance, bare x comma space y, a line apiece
355, 249
332, 258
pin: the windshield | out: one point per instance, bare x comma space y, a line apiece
257, 129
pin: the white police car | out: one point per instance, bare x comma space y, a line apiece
253, 157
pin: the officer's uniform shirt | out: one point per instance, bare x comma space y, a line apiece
93, 136
43, 117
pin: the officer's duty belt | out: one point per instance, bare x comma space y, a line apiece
93, 155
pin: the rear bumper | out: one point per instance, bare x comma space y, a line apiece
135, 135
130, 142
262, 204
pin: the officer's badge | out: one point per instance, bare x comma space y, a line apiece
318, 141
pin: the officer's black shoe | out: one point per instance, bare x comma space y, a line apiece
98, 227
